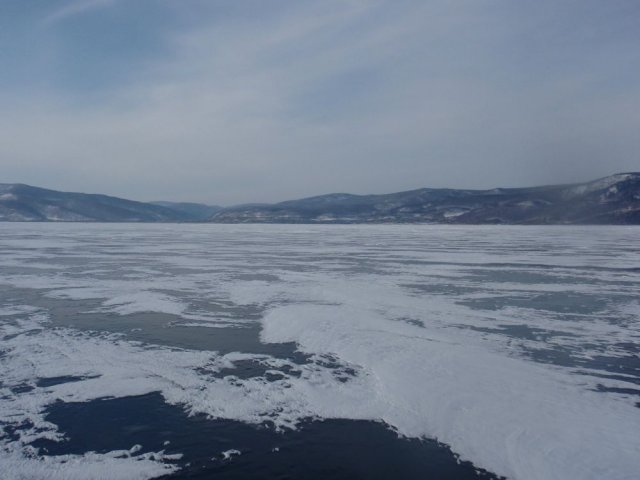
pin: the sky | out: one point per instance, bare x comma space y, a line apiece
235, 101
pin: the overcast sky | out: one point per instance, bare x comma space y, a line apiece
233, 101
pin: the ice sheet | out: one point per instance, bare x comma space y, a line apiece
444, 332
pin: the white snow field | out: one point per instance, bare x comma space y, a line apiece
515, 346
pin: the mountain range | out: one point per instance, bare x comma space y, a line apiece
32, 204
610, 200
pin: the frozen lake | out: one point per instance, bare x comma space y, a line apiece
238, 351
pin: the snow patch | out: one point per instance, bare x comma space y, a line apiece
144, 301
90, 466
505, 414
601, 184
226, 455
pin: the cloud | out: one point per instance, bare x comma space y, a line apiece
265, 102
76, 7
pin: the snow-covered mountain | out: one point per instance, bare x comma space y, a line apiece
610, 200
25, 203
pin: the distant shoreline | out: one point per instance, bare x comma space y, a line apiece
613, 200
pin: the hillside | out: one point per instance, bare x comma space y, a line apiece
32, 204
610, 200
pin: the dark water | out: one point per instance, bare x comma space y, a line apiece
337, 449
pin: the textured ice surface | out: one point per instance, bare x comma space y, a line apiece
516, 346
509, 415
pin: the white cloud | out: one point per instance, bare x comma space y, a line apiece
335, 96
76, 7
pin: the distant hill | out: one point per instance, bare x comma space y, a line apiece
25, 203
195, 211
610, 200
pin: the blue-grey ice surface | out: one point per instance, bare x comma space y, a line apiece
516, 346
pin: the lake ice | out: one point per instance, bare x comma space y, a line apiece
517, 347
